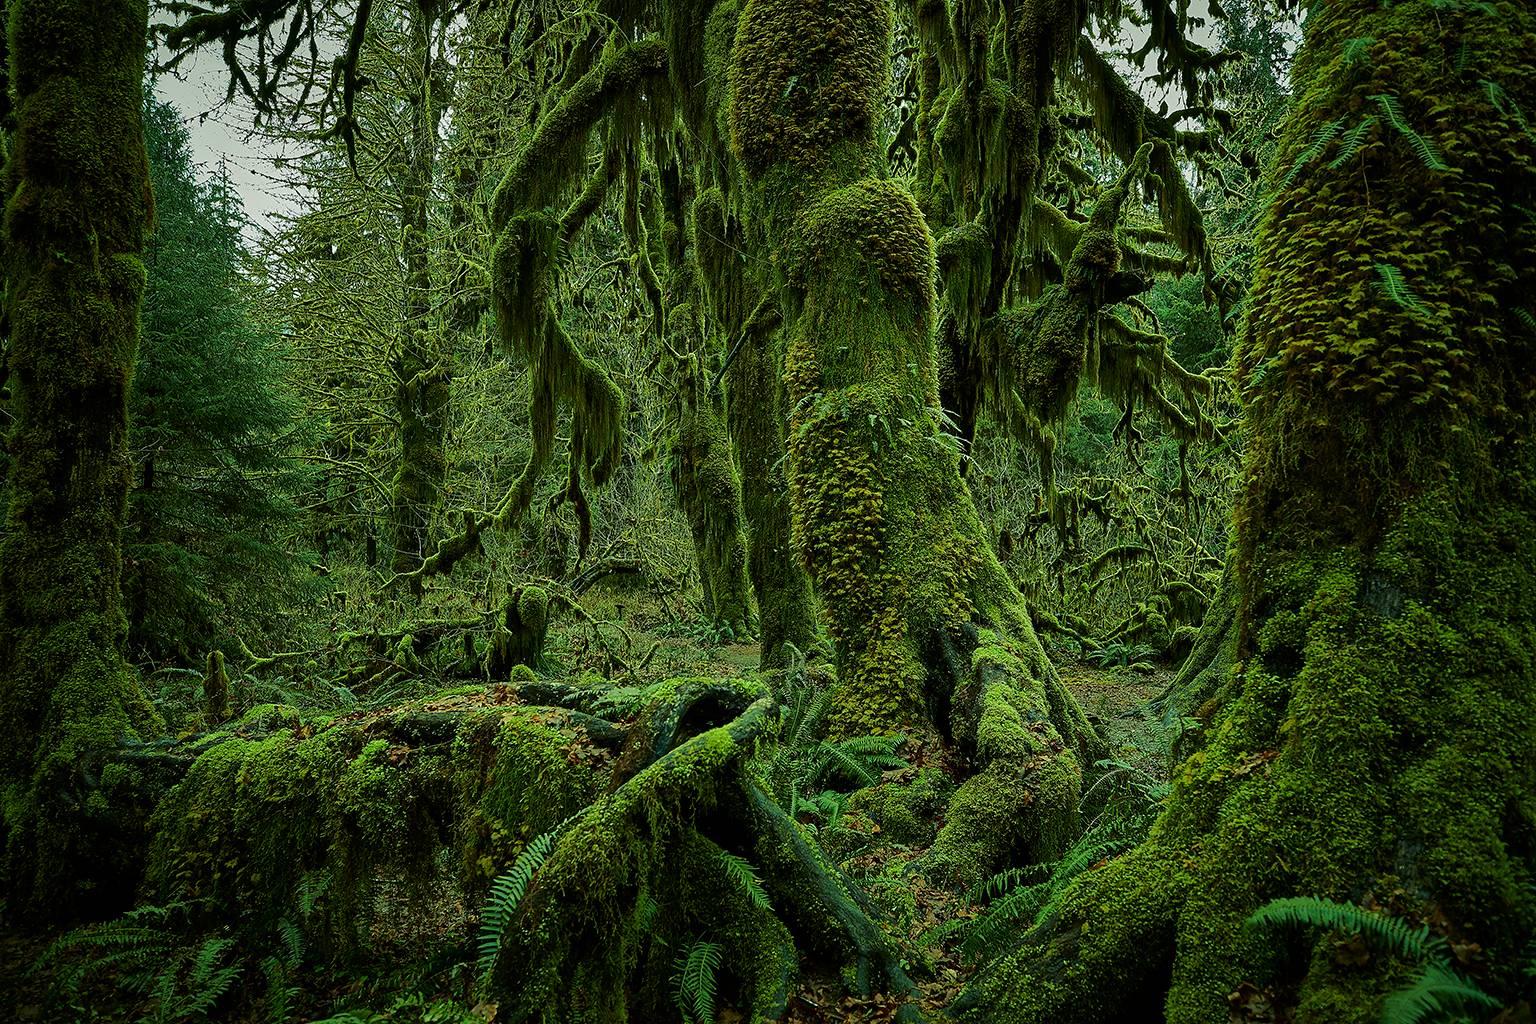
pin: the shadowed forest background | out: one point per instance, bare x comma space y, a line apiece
770, 510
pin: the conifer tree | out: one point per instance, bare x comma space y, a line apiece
213, 427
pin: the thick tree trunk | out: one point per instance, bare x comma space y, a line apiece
755, 416
932, 637
1376, 737
422, 369
75, 225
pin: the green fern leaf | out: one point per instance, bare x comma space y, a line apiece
1321, 140
1437, 994
506, 894
741, 872
1356, 50
1393, 110
1354, 141
695, 981
1392, 934
1397, 288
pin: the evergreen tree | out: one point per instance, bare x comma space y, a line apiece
212, 427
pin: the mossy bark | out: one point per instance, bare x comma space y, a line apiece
932, 636
79, 207
422, 368
755, 417
708, 492
1376, 736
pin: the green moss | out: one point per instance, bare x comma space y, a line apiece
78, 207
1375, 735
907, 811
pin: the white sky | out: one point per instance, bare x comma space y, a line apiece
221, 133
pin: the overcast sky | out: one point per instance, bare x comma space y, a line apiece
221, 132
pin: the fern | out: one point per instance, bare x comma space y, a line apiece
280, 994
1356, 50
507, 892
312, 886
1321, 140
1393, 934
695, 980
741, 872
1393, 110
1397, 288
1354, 142
1437, 994
209, 979
1004, 882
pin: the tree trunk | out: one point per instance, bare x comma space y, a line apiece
75, 226
1376, 736
422, 369
707, 491
932, 637
786, 608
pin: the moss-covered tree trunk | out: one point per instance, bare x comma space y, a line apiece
79, 205
422, 368
1375, 739
755, 417
932, 637
705, 477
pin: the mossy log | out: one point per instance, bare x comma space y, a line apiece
372, 833
1374, 737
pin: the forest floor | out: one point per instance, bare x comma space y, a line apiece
917, 914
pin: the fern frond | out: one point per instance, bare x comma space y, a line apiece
208, 979
312, 885
1004, 882
741, 872
1356, 50
695, 981
943, 932
1397, 288
1392, 934
1019, 907
1393, 110
1437, 994
506, 894
1354, 142
1321, 140
293, 944
280, 994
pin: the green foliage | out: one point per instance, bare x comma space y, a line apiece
506, 894
1437, 992
811, 776
1398, 289
156, 952
1392, 109
208, 545
1392, 934
694, 982
1020, 898
741, 872
1354, 142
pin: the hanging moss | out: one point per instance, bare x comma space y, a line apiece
755, 417
706, 481
1374, 737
